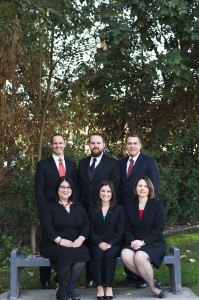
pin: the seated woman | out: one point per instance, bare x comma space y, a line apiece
145, 244
107, 232
65, 226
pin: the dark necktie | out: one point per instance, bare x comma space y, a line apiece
92, 167
130, 168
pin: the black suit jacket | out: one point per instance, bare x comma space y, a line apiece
111, 230
150, 226
107, 169
144, 166
46, 178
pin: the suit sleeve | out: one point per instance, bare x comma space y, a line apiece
119, 234
95, 239
40, 186
129, 236
158, 228
46, 215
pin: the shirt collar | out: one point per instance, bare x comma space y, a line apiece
134, 158
98, 158
56, 158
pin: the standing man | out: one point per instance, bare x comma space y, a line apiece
132, 167
92, 170
48, 172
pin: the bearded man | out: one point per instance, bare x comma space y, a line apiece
92, 170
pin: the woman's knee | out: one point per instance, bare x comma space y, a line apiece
126, 255
140, 257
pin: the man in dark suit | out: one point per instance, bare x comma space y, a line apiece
92, 170
48, 172
133, 166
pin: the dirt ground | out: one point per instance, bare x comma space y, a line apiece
174, 229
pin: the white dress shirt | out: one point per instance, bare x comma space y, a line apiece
56, 159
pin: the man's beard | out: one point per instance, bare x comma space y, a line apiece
96, 154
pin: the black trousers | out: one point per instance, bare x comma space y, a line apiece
104, 264
45, 273
89, 270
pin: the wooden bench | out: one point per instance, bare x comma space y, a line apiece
18, 262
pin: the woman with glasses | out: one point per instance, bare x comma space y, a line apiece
65, 227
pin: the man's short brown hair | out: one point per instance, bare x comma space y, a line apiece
132, 134
95, 133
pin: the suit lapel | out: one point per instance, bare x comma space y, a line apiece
67, 164
86, 168
137, 165
133, 211
100, 166
147, 210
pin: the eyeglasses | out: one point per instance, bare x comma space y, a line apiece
63, 187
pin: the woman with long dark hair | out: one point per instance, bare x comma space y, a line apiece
107, 229
65, 227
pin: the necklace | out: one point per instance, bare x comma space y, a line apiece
64, 205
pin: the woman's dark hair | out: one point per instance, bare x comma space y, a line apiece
113, 198
150, 186
69, 180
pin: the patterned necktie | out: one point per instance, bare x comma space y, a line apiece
130, 168
61, 168
92, 167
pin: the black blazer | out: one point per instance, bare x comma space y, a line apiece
144, 166
111, 230
150, 226
46, 177
107, 169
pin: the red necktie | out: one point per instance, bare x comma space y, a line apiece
130, 168
61, 168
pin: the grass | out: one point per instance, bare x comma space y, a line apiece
188, 244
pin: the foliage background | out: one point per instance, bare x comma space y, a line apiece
75, 67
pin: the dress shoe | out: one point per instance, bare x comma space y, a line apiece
162, 294
101, 297
108, 297
157, 283
140, 284
90, 284
47, 285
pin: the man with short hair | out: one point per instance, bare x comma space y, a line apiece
47, 173
92, 170
132, 167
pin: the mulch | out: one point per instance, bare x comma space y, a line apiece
178, 228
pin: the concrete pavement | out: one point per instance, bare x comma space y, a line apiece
128, 293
